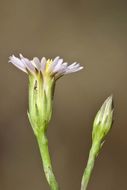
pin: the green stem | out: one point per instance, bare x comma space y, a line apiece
44, 151
90, 165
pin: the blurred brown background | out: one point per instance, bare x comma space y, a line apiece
93, 33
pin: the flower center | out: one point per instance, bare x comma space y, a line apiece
48, 63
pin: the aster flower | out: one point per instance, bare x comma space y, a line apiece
42, 78
55, 68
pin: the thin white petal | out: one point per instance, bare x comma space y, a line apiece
36, 63
58, 65
43, 63
73, 70
27, 63
63, 68
56, 59
73, 64
65, 64
18, 63
54, 63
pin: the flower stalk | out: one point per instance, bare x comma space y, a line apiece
45, 156
101, 127
39, 117
43, 75
90, 165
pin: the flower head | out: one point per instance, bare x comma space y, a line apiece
42, 76
55, 68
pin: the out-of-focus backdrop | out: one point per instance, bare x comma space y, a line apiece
93, 33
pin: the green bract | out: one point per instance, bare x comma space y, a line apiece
40, 101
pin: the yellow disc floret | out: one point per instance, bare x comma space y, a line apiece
48, 63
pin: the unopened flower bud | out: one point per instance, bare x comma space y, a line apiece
103, 120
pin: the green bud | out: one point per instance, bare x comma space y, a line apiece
40, 101
103, 120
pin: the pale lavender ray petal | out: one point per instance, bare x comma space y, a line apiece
56, 59
36, 63
75, 64
65, 64
43, 63
18, 63
54, 63
27, 63
61, 70
58, 65
73, 70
